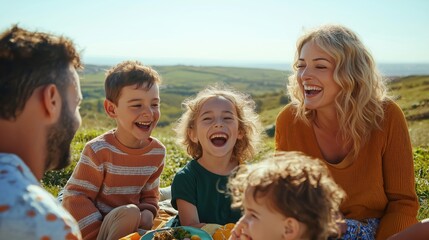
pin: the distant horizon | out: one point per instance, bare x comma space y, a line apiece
386, 68
265, 31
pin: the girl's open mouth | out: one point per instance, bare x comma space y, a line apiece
219, 139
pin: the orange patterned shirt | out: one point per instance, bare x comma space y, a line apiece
27, 211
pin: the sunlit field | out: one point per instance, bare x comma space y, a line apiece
267, 89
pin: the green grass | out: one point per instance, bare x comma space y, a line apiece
412, 94
266, 87
421, 166
177, 158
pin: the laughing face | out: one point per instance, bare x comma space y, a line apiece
262, 221
137, 114
316, 77
216, 128
259, 221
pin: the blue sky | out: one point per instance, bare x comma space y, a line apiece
227, 30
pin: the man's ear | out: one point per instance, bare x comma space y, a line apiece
292, 229
51, 101
110, 108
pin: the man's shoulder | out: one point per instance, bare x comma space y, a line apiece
14, 170
21, 192
35, 207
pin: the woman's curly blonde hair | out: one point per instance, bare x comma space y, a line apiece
248, 122
363, 92
294, 185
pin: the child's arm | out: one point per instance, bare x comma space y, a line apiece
146, 219
398, 176
81, 190
188, 214
184, 196
149, 197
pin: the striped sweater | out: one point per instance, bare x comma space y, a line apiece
109, 175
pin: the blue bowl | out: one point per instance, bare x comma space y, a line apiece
194, 231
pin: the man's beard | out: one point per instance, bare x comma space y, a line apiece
60, 136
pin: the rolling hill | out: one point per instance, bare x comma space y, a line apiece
266, 86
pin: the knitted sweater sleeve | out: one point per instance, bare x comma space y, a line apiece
149, 195
398, 175
80, 193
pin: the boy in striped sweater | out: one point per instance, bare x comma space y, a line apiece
114, 188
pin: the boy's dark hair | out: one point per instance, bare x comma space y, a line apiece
128, 73
29, 60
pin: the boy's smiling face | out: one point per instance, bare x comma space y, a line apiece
136, 114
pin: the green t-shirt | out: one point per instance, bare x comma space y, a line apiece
205, 190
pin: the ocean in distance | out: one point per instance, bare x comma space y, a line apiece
387, 69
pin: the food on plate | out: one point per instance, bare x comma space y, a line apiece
223, 232
164, 235
175, 234
195, 237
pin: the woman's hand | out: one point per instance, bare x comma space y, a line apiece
341, 226
146, 219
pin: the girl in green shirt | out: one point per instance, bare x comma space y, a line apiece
219, 130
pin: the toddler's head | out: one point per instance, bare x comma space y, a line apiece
289, 194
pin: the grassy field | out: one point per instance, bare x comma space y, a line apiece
412, 94
265, 86
179, 82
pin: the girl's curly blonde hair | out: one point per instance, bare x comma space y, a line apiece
294, 185
363, 92
248, 122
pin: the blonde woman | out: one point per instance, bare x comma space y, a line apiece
340, 113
